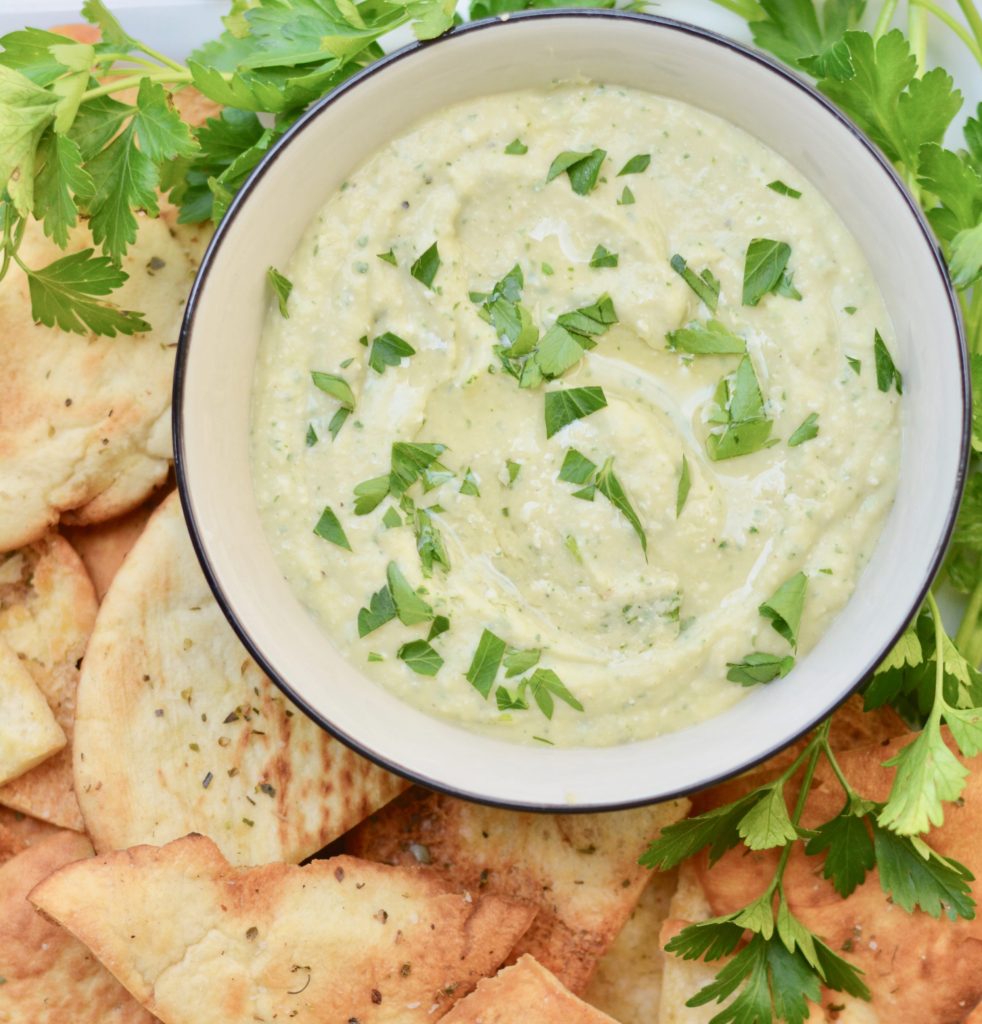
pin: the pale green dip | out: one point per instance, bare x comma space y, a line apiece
643, 645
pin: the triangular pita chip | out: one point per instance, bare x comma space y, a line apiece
28, 731
47, 609
627, 981
178, 731
85, 433
580, 870
49, 976
524, 992
198, 941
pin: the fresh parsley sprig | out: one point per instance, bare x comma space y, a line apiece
70, 149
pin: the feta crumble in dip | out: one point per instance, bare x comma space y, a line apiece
575, 416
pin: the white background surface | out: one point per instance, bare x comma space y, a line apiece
177, 26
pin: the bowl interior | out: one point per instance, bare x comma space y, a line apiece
223, 330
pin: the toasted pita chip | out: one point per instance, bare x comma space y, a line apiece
28, 731
178, 731
526, 991
50, 977
200, 942
85, 434
917, 968
682, 979
19, 832
47, 608
103, 547
627, 981
581, 871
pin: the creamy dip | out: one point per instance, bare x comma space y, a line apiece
643, 643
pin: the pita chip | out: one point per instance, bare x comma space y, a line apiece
627, 981
86, 427
198, 941
526, 991
47, 608
104, 546
177, 730
580, 870
50, 977
28, 731
19, 832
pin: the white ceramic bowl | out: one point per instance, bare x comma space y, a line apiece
225, 318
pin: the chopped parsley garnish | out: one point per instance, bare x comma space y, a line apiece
282, 287
311, 438
849, 310
410, 460
429, 542
627, 197
711, 338
564, 406
440, 625
388, 257
739, 407
603, 257
329, 527
388, 350
516, 148
766, 270
469, 484
426, 266
887, 374
544, 684
683, 488
514, 468
375, 656
785, 607
337, 421
335, 386
759, 667
508, 702
420, 657
409, 606
636, 165
486, 662
576, 468
582, 169
391, 519
516, 661
784, 190
705, 284
610, 487
369, 494
807, 430
381, 609
855, 365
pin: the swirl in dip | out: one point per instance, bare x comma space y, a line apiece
582, 419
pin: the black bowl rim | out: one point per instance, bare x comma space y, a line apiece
211, 254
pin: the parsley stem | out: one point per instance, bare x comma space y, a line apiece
131, 81
956, 26
970, 620
172, 64
917, 31
813, 751
124, 58
934, 720
887, 12
833, 761
973, 18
